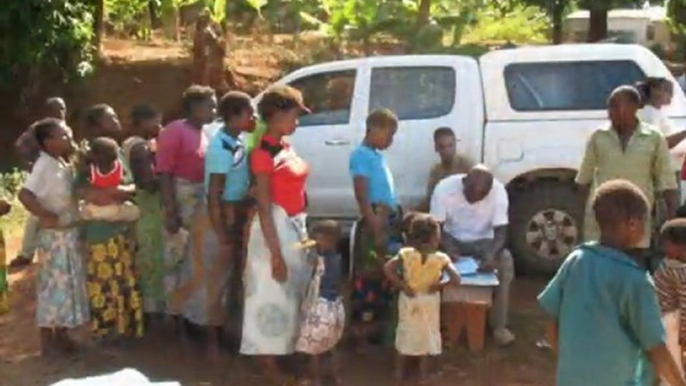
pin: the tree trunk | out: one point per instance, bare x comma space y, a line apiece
154, 13
597, 25
558, 9
99, 24
424, 13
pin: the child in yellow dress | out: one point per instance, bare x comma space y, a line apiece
423, 267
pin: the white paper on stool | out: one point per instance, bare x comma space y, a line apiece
128, 377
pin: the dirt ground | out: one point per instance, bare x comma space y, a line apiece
160, 357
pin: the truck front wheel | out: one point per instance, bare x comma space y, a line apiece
546, 222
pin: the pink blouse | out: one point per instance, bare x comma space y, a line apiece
181, 151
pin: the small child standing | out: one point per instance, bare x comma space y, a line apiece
107, 172
419, 331
605, 311
4, 286
323, 311
48, 194
670, 282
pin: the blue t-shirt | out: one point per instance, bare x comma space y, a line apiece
370, 164
608, 318
328, 284
227, 155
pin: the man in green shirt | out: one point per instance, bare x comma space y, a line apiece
630, 150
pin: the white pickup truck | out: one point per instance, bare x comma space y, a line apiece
526, 113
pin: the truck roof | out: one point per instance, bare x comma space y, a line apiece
569, 52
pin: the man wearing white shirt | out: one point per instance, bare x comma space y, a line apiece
473, 209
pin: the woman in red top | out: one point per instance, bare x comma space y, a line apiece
276, 271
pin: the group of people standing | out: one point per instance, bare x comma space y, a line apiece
202, 226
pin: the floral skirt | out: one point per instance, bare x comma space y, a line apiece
62, 297
322, 327
4, 286
116, 304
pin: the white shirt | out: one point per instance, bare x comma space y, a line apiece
657, 118
464, 221
51, 181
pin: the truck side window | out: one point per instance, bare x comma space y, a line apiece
413, 92
329, 96
565, 86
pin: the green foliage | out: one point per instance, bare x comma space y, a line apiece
521, 24
676, 14
128, 17
46, 34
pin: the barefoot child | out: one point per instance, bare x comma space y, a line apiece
323, 313
419, 333
670, 281
606, 318
48, 195
107, 172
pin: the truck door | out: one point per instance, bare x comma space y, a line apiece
326, 137
423, 92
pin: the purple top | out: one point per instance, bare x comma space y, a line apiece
181, 151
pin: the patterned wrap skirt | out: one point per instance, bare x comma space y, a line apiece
198, 276
419, 327
272, 309
61, 291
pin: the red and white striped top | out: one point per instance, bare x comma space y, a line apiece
670, 282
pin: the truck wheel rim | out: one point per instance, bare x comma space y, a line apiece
552, 233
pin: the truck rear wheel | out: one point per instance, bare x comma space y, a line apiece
546, 224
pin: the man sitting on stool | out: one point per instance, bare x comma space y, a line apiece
473, 210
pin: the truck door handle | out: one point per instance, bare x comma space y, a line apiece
336, 142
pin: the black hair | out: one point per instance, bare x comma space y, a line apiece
45, 129
674, 231
629, 92
618, 201
95, 114
381, 119
142, 112
196, 94
233, 103
443, 132
646, 86
279, 98
422, 228
329, 228
104, 150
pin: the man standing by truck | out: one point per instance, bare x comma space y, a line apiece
630, 150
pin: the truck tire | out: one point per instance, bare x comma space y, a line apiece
546, 223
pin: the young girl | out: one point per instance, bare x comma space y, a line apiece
418, 333
323, 312
48, 195
670, 282
107, 172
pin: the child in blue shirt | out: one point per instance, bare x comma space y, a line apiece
227, 181
380, 210
605, 310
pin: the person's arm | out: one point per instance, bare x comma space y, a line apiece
141, 168
453, 276
264, 211
500, 223
30, 201
589, 163
214, 204
263, 167
168, 145
391, 271
360, 185
552, 335
664, 179
675, 139
665, 366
